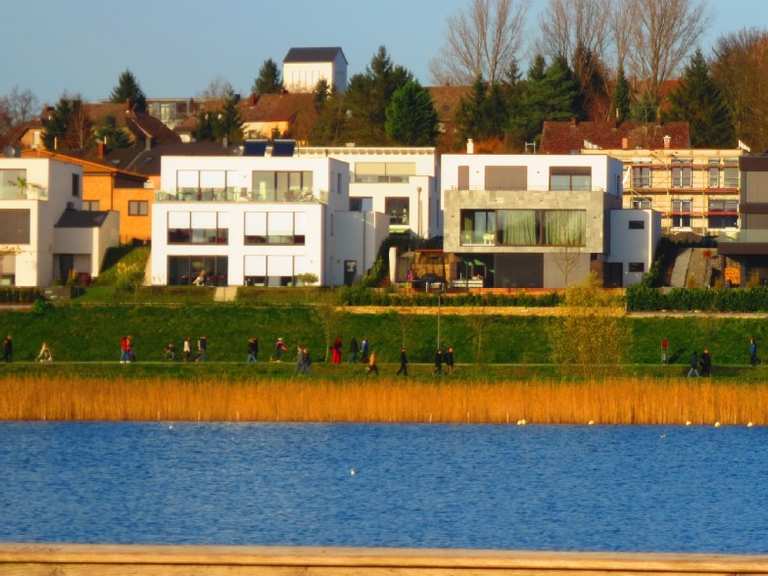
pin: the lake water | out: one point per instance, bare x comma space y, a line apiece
535, 487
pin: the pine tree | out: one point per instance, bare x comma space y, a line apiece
205, 127
128, 89
411, 118
645, 108
268, 81
55, 124
699, 101
330, 127
67, 128
495, 112
320, 93
621, 97
563, 89
111, 135
228, 123
469, 115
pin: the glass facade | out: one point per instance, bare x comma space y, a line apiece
397, 210
204, 270
523, 227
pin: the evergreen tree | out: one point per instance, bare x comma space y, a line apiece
331, 125
205, 127
699, 101
621, 97
495, 112
67, 128
268, 81
55, 124
411, 118
321, 93
228, 123
645, 108
128, 89
470, 122
589, 72
111, 135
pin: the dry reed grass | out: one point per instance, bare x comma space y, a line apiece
612, 401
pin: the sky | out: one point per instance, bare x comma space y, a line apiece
176, 47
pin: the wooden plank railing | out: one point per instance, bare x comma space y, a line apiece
113, 560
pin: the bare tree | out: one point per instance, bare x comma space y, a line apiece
481, 41
20, 105
569, 24
621, 21
664, 34
217, 89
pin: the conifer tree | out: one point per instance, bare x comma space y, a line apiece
268, 81
698, 101
621, 97
228, 123
128, 89
469, 116
321, 93
411, 118
111, 134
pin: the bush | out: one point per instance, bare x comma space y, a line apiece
15, 295
361, 296
643, 298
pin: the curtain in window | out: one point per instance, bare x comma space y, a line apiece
565, 227
516, 227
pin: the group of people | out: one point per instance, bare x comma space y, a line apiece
441, 358
702, 365
45, 356
169, 352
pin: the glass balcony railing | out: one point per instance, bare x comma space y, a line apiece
231, 195
28, 192
744, 236
379, 179
526, 189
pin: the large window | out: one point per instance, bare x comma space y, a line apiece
641, 176
198, 228
523, 227
137, 208
713, 173
731, 173
570, 178
383, 172
200, 270
281, 186
681, 213
397, 210
361, 204
723, 213
641, 203
90, 205
273, 270
681, 173
14, 227
275, 228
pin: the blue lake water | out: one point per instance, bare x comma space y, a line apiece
535, 487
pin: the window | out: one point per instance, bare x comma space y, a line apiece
273, 270
565, 178
723, 214
383, 172
184, 270
506, 177
641, 203
362, 204
637, 224
281, 186
14, 227
198, 228
397, 210
713, 173
636, 267
523, 227
731, 173
338, 183
76, 185
641, 176
275, 228
681, 213
681, 173
10, 188
138, 208
90, 205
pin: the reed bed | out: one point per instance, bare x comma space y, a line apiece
622, 400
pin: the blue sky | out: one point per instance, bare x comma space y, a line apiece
175, 47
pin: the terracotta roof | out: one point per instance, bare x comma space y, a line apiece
320, 54
569, 137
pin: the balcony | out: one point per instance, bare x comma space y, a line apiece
251, 196
524, 190
379, 179
743, 242
22, 191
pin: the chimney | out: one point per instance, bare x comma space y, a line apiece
254, 99
100, 150
573, 121
667, 141
624, 143
470, 146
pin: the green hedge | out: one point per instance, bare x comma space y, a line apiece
355, 296
17, 295
642, 298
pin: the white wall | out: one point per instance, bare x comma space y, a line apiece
304, 76
634, 245
358, 238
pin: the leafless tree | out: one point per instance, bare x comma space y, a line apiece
740, 67
20, 105
482, 41
217, 89
664, 34
621, 21
569, 24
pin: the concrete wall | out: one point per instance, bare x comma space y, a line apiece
359, 237
630, 245
565, 268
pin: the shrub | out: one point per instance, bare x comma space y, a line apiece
642, 298
16, 295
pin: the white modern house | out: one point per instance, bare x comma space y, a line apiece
635, 234
528, 221
44, 235
303, 68
258, 221
401, 182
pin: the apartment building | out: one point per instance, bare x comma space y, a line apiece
400, 182
259, 220
695, 190
45, 237
303, 68
527, 221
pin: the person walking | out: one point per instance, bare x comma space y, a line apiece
336, 350
753, 351
364, 350
665, 350
307, 359
125, 350
202, 349
8, 349
45, 356
438, 363
706, 363
131, 352
372, 365
169, 352
187, 349
448, 359
280, 350
693, 372
403, 370
299, 359
253, 350
354, 350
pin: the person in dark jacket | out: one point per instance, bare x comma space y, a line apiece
253, 350
438, 362
202, 349
694, 369
8, 349
753, 351
706, 363
365, 349
354, 350
448, 359
403, 362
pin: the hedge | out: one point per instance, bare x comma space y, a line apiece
642, 298
17, 295
355, 296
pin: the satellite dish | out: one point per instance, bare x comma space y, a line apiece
11, 152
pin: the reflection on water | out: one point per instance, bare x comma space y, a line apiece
583, 488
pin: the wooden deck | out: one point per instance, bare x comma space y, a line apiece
109, 560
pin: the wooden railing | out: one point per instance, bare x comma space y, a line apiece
109, 560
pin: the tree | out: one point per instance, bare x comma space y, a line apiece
205, 129
621, 21
67, 128
268, 81
481, 41
228, 125
469, 115
698, 101
662, 36
740, 69
109, 133
128, 89
19, 106
571, 25
217, 89
330, 127
411, 118
645, 108
321, 93
621, 97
